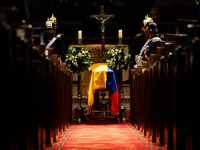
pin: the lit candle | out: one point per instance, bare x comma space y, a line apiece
120, 33
80, 34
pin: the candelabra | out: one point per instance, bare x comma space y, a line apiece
79, 111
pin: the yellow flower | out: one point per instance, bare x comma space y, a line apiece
71, 58
75, 64
119, 57
109, 52
107, 61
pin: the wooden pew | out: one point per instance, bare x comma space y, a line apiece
40, 112
136, 125
7, 77
170, 113
24, 89
132, 77
192, 109
147, 82
179, 103
168, 96
48, 77
142, 100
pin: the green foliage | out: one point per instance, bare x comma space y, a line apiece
78, 59
117, 59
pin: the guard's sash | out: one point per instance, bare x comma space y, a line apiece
138, 57
52, 41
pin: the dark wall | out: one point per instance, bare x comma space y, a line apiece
128, 18
112, 2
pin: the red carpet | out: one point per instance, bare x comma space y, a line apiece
103, 137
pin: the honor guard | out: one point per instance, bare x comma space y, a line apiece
150, 46
151, 30
138, 41
54, 39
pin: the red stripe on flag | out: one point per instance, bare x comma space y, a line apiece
114, 103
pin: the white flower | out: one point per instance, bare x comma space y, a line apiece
74, 50
115, 53
79, 55
85, 62
83, 54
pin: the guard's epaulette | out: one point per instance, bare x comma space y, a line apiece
139, 34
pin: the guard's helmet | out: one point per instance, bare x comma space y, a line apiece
48, 24
54, 20
151, 27
146, 20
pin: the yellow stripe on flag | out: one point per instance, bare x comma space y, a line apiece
95, 79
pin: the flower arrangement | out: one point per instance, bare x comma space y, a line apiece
78, 59
117, 59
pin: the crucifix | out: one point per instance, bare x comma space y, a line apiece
102, 17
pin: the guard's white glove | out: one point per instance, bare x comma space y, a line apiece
135, 66
136, 59
140, 60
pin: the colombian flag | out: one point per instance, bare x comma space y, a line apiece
100, 76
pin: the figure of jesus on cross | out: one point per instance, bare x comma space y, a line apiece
102, 17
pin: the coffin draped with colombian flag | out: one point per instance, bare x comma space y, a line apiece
100, 76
